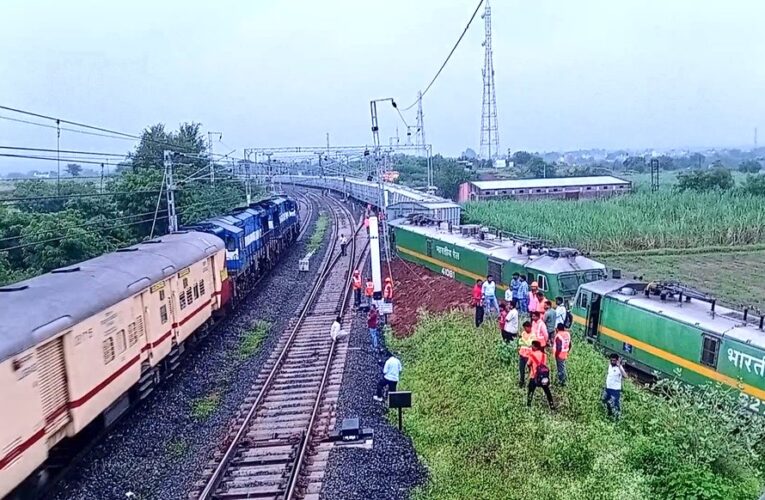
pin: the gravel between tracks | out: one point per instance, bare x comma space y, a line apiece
160, 449
391, 469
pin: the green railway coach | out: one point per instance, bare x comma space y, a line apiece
467, 253
670, 330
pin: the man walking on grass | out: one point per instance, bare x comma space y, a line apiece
613, 394
539, 375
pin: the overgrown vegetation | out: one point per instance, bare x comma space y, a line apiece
202, 408
48, 225
318, 233
470, 424
251, 341
177, 447
640, 221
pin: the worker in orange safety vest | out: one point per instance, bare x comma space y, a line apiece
388, 290
356, 283
369, 291
561, 348
538, 328
539, 374
524, 349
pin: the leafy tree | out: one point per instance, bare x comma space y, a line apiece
706, 180
537, 167
754, 185
38, 195
448, 175
73, 169
521, 158
636, 163
666, 162
749, 166
697, 160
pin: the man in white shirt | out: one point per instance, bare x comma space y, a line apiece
613, 394
510, 330
390, 375
343, 244
560, 311
488, 290
335, 331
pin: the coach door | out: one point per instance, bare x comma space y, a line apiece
54, 393
495, 269
429, 248
593, 316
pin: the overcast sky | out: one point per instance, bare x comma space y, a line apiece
569, 74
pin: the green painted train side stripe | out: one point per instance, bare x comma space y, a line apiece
444, 264
673, 358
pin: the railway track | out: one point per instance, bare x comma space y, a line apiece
285, 414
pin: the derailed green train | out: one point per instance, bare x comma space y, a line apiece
670, 330
659, 329
466, 253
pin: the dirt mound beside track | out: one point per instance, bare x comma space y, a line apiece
415, 288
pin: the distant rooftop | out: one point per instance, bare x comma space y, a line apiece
598, 180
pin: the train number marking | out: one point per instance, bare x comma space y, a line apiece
447, 272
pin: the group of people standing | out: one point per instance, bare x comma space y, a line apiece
540, 328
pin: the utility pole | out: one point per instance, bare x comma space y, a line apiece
58, 156
489, 129
420, 138
212, 161
101, 190
172, 218
270, 177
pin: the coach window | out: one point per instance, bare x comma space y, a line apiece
108, 348
161, 295
120, 338
542, 282
185, 283
182, 298
196, 292
163, 314
202, 287
189, 296
583, 300
709, 351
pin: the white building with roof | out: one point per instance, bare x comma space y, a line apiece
569, 188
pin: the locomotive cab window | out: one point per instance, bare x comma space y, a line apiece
542, 282
582, 301
709, 350
230, 244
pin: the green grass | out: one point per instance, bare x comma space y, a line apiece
318, 233
731, 277
177, 448
251, 341
640, 221
202, 408
470, 424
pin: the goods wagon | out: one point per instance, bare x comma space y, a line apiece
467, 253
671, 330
78, 344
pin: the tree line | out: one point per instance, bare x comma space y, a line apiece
46, 224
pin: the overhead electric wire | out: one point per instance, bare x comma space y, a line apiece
65, 151
73, 195
69, 122
65, 128
53, 158
480, 2
24, 245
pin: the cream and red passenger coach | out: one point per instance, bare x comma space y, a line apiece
79, 343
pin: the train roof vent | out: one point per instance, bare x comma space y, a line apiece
485, 244
64, 270
562, 252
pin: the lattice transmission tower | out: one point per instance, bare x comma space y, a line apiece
489, 129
